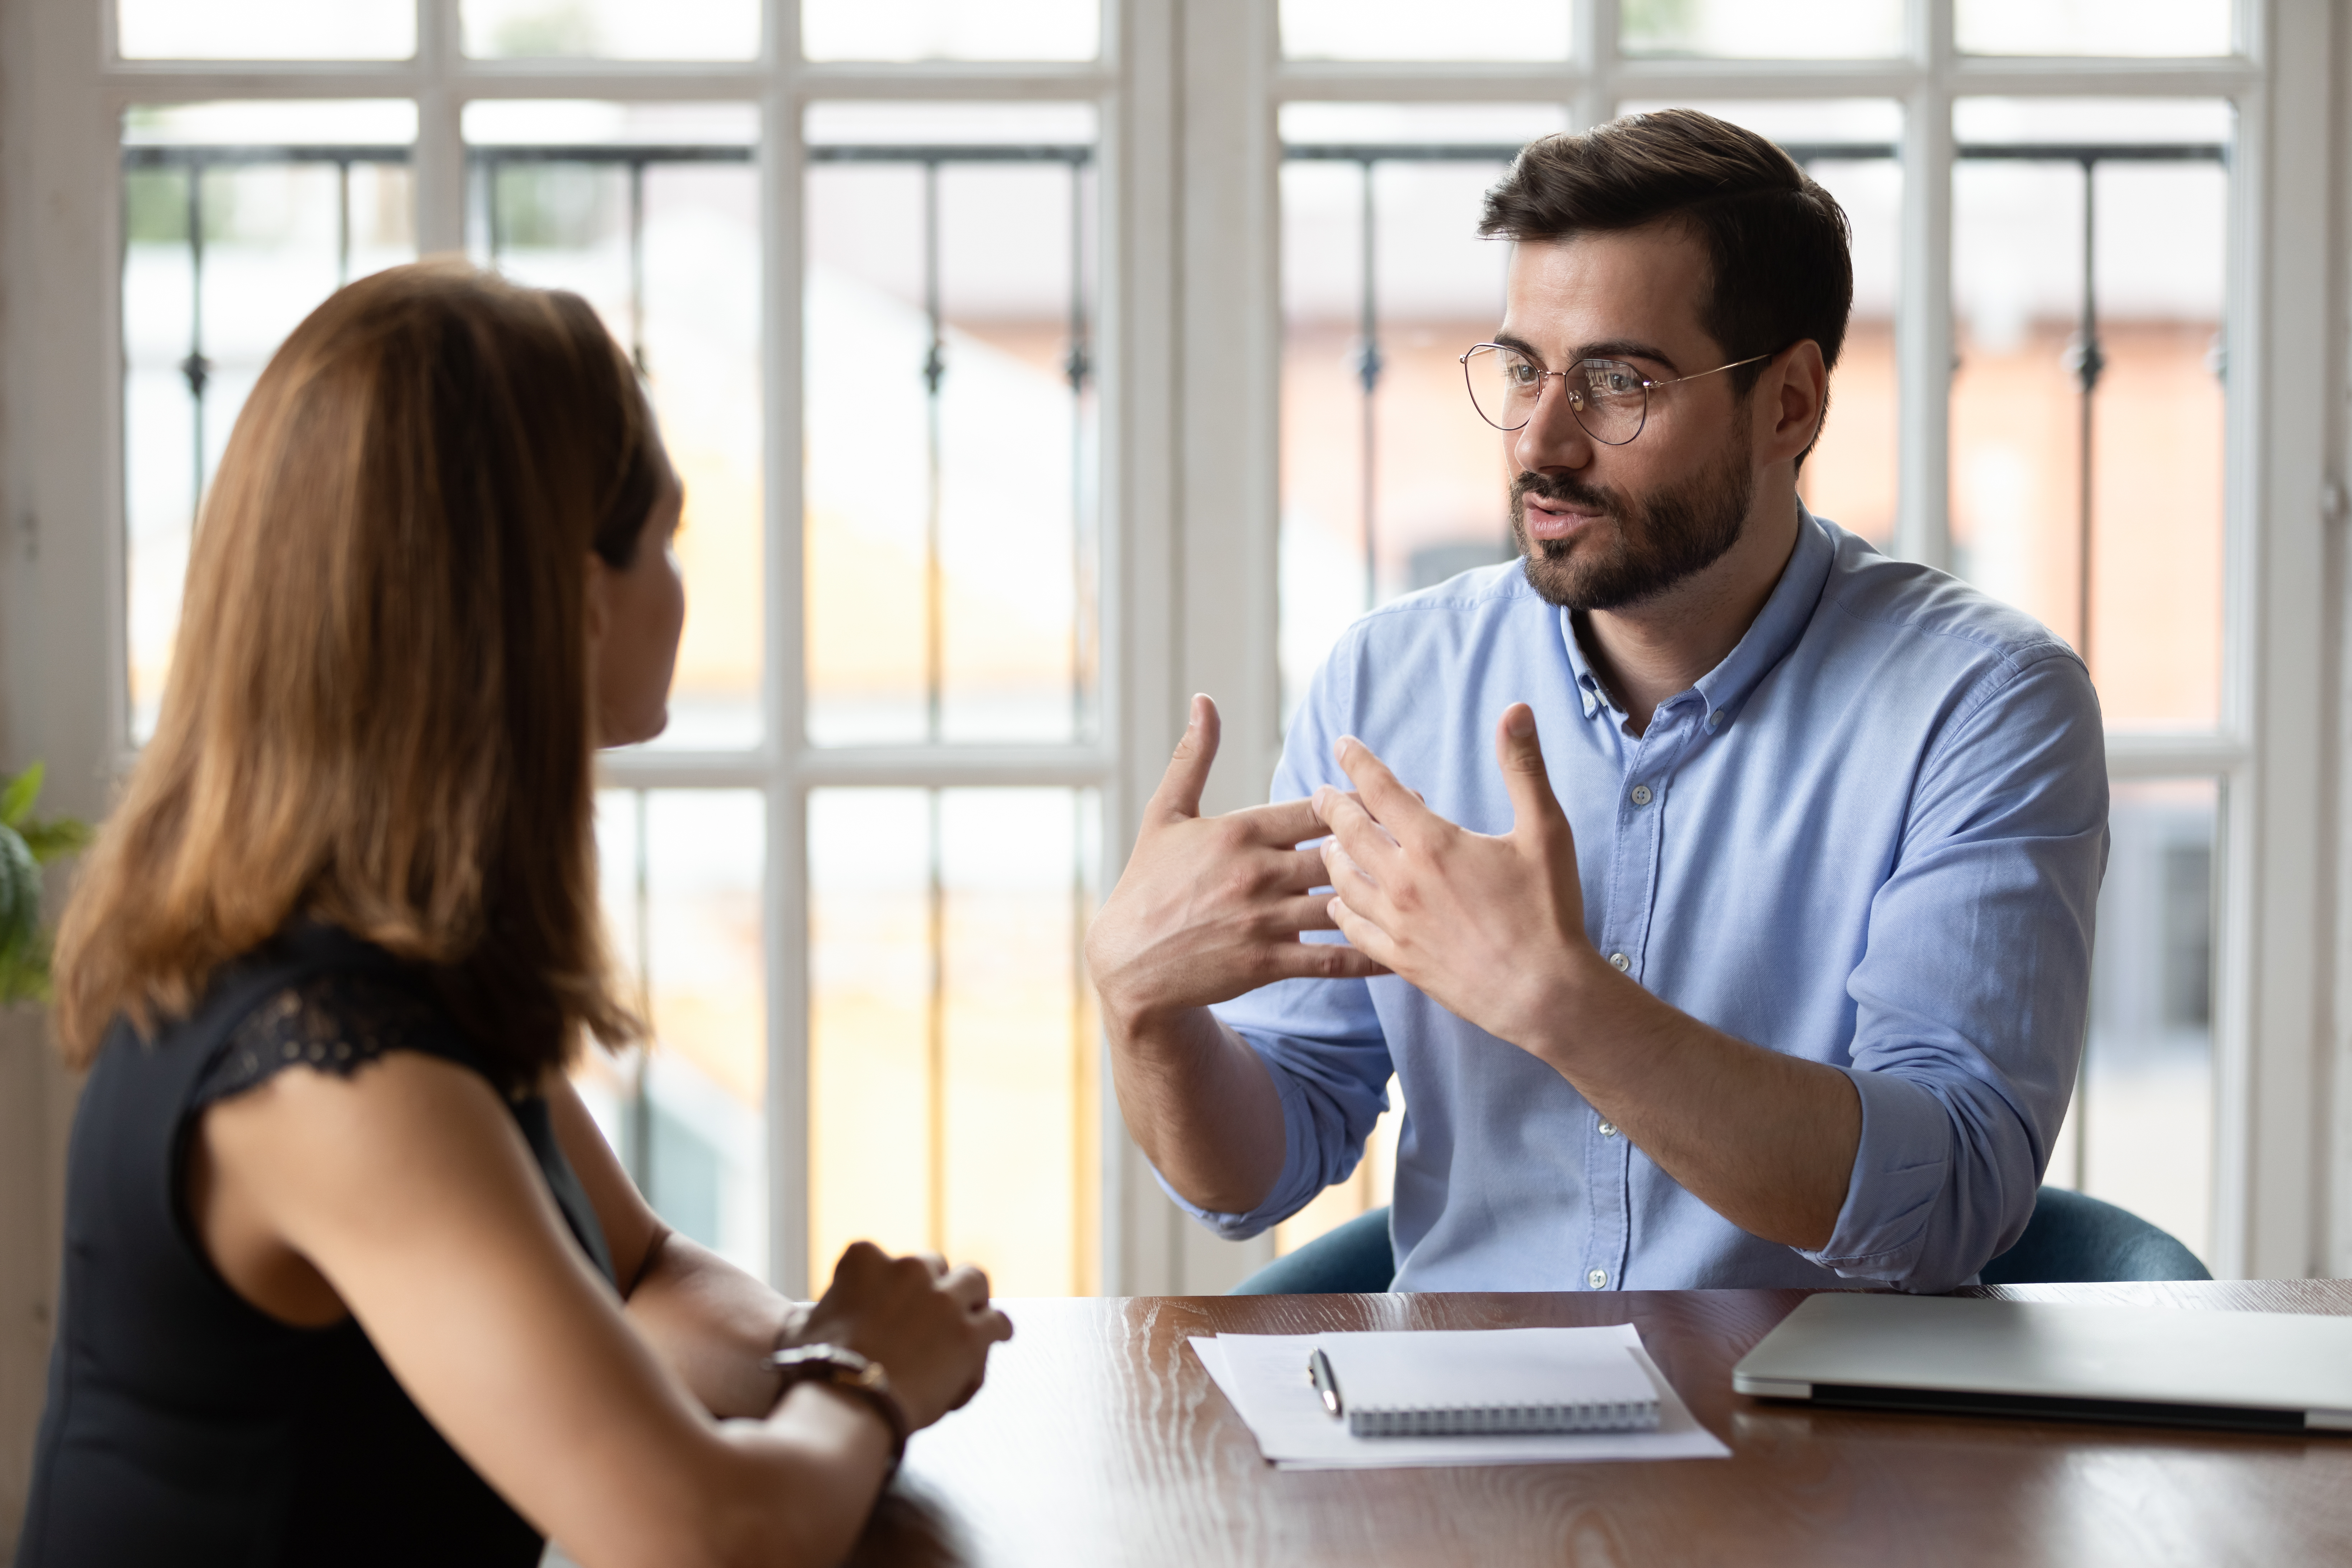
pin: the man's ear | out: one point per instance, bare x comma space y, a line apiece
1797, 388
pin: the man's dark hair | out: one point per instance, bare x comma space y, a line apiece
1778, 252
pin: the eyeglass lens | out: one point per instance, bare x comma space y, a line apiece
1609, 398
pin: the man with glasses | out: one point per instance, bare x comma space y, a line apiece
1759, 951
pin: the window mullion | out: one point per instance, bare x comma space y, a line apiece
440, 155
1140, 210
2270, 1158
784, 897
1596, 51
1923, 333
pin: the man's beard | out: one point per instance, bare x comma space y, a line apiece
1671, 535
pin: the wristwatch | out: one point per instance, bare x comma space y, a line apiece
847, 1369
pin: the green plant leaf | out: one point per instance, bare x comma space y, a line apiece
54, 837
24, 946
20, 894
24, 977
18, 797
24, 973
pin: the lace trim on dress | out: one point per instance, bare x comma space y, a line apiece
333, 1022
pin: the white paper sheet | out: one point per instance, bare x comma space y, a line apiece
1264, 1376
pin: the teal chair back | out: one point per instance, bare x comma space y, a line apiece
2075, 1237
1351, 1259
2070, 1238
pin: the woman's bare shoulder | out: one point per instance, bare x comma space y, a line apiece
289, 1171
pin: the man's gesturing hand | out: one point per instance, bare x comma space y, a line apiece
1490, 928
1211, 907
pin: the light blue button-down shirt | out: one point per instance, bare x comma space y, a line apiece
1872, 837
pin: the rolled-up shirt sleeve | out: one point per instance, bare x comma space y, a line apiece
1322, 1045
1974, 985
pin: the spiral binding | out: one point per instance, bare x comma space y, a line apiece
1504, 1420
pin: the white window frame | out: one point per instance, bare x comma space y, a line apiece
1188, 329
75, 99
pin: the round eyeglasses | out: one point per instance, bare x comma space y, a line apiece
1608, 397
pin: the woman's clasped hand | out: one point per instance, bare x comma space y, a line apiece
929, 1325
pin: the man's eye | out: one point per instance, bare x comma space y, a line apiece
1615, 383
1521, 373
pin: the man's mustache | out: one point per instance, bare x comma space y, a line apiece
1564, 488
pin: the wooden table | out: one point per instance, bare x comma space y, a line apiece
1101, 1440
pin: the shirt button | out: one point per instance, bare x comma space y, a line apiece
1620, 962
1598, 1278
1714, 720
1609, 1130
1641, 795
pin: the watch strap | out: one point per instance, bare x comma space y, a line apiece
851, 1372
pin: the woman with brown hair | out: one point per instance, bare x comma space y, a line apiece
351, 1275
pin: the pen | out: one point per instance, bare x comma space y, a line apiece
1318, 1371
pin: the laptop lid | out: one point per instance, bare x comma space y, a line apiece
2273, 1371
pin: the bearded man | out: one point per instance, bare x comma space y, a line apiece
1769, 964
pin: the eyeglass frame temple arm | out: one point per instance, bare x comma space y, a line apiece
1462, 359
1648, 385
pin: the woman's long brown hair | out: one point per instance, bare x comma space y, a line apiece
378, 714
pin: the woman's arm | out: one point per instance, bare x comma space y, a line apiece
409, 1190
711, 1322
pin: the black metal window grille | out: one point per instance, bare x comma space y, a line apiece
2086, 359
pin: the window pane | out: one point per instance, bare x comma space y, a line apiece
950, 510
953, 1049
951, 29
2141, 1130
1436, 500
267, 29
2146, 27
1848, 144
680, 872
227, 244
2153, 524
1762, 29
613, 30
872, 975
1415, 30
655, 220
1869, 124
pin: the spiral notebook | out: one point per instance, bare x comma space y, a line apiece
1264, 1376
1474, 1382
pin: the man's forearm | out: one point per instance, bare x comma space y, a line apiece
1200, 1105
1767, 1141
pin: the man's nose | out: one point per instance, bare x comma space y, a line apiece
1551, 439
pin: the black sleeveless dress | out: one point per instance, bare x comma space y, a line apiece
185, 1425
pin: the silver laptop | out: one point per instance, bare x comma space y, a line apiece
2267, 1371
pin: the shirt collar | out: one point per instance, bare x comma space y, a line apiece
1776, 629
